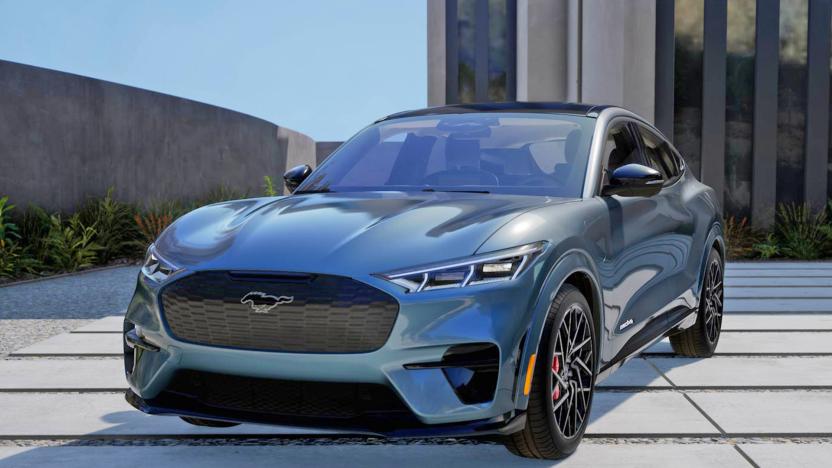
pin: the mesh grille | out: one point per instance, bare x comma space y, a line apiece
328, 314
285, 397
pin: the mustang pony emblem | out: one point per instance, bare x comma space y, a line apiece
262, 303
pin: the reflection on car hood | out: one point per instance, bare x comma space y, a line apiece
340, 233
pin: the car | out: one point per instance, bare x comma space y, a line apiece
466, 270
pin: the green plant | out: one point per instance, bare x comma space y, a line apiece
218, 194
116, 232
71, 245
10, 251
739, 238
768, 248
268, 188
800, 233
152, 224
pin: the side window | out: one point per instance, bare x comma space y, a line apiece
658, 154
620, 149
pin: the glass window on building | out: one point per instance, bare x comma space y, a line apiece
687, 106
466, 35
739, 112
495, 33
791, 100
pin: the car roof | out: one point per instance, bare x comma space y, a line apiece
590, 110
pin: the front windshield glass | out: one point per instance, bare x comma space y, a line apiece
514, 153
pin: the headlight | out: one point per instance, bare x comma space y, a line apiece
157, 268
502, 265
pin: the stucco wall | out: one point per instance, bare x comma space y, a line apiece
65, 137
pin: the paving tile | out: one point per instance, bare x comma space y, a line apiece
52, 374
778, 455
645, 413
774, 321
785, 265
764, 343
112, 324
770, 272
636, 373
747, 372
79, 344
77, 414
786, 292
775, 281
769, 413
778, 305
401, 456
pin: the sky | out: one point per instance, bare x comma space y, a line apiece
326, 68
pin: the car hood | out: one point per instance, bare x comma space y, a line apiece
349, 233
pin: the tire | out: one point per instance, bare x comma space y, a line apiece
208, 422
701, 339
547, 435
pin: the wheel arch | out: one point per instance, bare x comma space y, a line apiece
577, 269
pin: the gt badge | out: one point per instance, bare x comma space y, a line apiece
262, 303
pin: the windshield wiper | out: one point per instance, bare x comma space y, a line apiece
321, 190
431, 189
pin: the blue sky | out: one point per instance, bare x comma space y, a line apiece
326, 68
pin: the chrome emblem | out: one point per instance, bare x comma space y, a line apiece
262, 303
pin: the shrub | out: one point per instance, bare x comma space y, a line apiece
801, 234
152, 224
70, 246
269, 189
768, 248
740, 238
116, 233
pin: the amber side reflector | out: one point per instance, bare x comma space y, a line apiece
529, 373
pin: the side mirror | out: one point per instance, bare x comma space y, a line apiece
634, 180
294, 176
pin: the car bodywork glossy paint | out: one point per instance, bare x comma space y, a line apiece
643, 256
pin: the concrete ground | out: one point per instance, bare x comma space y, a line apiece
765, 399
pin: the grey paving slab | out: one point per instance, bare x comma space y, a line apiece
634, 374
75, 344
111, 324
775, 281
771, 272
772, 321
778, 305
56, 374
733, 372
764, 343
401, 456
100, 414
787, 292
778, 455
645, 413
769, 413
88, 295
786, 265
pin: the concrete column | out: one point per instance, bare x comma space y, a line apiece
436, 53
618, 54
542, 47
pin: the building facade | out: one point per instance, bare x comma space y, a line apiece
740, 86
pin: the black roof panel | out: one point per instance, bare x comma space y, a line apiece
533, 107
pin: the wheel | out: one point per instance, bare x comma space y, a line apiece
208, 422
701, 339
562, 385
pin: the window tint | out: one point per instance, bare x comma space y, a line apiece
658, 154
620, 149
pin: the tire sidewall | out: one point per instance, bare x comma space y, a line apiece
543, 367
700, 320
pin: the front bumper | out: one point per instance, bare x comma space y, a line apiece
428, 325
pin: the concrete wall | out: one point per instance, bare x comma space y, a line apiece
542, 50
64, 138
324, 148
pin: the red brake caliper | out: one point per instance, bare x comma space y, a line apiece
556, 369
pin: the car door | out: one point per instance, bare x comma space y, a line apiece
640, 251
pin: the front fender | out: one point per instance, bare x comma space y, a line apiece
573, 261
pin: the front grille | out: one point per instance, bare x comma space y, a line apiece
328, 314
331, 400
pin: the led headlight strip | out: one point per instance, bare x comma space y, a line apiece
157, 268
502, 265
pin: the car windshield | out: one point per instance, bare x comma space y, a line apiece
513, 153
